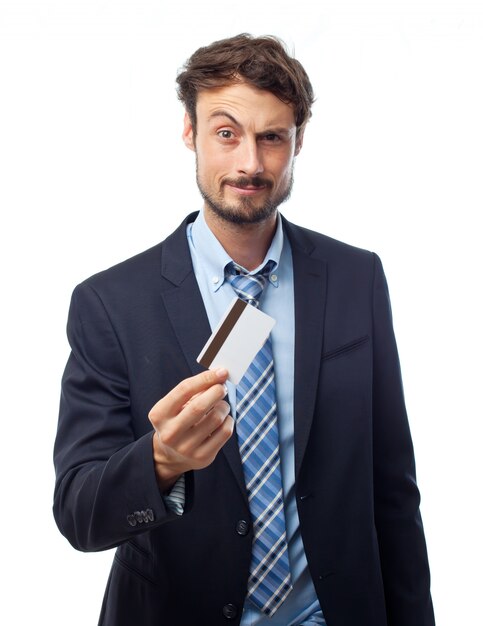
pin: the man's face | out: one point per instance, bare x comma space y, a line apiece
245, 146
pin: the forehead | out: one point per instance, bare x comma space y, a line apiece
247, 104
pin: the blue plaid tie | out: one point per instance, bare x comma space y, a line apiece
256, 424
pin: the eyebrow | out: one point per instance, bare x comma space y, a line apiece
278, 130
221, 113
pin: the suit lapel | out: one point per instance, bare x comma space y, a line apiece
185, 308
182, 296
310, 284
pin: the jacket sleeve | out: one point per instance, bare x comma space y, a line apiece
106, 489
399, 528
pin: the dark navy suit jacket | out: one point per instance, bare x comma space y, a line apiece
135, 331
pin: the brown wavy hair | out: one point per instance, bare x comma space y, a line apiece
261, 61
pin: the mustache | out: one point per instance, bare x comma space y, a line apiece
248, 181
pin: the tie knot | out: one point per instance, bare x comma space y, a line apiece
246, 286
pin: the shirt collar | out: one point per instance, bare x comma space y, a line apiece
214, 258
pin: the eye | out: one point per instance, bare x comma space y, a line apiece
225, 134
272, 137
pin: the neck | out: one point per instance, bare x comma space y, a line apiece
247, 244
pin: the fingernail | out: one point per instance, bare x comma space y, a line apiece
225, 389
221, 371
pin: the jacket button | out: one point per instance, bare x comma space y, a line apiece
242, 527
132, 520
305, 496
230, 611
150, 514
138, 516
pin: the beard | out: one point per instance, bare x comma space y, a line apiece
246, 210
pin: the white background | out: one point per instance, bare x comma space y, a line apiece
93, 170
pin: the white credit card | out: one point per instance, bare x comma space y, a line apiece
240, 334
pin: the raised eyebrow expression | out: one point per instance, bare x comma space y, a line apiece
281, 131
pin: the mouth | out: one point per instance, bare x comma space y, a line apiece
247, 187
246, 191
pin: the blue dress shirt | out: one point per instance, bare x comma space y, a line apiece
209, 260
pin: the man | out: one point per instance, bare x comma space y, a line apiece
146, 454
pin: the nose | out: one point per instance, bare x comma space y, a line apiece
249, 157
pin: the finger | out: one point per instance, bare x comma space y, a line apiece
210, 447
176, 432
214, 430
196, 408
192, 398
204, 428
172, 403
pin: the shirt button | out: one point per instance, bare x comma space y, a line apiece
273, 278
215, 280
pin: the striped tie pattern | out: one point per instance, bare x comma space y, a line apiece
269, 582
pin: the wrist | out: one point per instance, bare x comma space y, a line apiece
166, 472
166, 484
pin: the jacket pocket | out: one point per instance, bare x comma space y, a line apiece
345, 348
133, 558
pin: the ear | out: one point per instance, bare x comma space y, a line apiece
299, 140
187, 135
